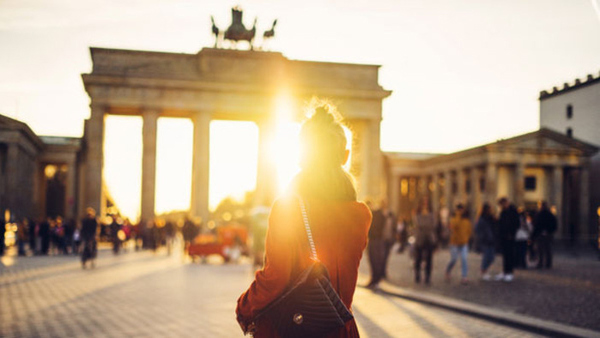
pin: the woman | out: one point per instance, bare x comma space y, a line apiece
460, 233
425, 240
486, 241
338, 222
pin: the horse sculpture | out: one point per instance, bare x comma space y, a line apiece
271, 32
237, 31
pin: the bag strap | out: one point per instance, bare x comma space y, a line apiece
313, 250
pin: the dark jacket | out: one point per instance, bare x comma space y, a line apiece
484, 232
508, 223
425, 231
545, 223
89, 227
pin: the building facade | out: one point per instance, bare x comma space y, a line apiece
38, 174
574, 110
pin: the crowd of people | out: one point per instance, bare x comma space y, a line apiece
54, 236
522, 237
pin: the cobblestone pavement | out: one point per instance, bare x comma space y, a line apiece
569, 293
141, 294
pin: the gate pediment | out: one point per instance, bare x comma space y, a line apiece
544, 141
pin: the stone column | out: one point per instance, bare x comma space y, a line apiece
394, 193
435, 195
71, 192
358, 165
557, 196
461, 186
519, 197
584, 206
200, 166
448, 189
491, 183
149, 163
94, 140
375, 156
266, 175
12, 178
475, 193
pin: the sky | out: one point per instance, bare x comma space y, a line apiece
463, 72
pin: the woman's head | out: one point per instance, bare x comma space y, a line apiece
486, 210
322, 139
322, 156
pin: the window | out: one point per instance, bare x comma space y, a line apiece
570, 132
569, 111
530, 183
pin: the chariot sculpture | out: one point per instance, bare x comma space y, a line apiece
237, 32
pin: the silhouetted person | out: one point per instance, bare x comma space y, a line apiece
425, 240
44, 233
89, 228
169, 235
522, 237
376, 247
388, 234
33, 229
189, 232
2, 230
115, 227
545, 225
508, 223
486, 239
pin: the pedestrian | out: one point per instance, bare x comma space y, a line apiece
339, 225
169, 235
522, 237
460, 233
44, 234
388, 234
376, 247
115, 228
33, 229
2, 235
22, 230
485, 239
508, 223
402, 234
545, 225
89, 229
425, 240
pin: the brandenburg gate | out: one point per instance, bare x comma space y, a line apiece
219, 84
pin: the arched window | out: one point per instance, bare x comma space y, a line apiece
569, 111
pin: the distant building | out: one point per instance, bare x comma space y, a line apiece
38, 174
542, 165
574, 110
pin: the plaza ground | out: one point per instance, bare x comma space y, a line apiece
142, 294
569, 293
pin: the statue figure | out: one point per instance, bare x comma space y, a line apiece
215, 31
271, 32
237, 31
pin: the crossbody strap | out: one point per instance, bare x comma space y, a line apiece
313, 250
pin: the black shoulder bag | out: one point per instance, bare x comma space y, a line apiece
310, 306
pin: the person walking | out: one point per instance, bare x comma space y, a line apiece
376, 247
522, 237
485, 239
425, 240
89, 229
508, 223
460, 233
339, 225
545, 225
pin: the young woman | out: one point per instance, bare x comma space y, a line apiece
486, 240
460, 233
338, 222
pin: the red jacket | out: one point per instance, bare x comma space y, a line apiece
340, 234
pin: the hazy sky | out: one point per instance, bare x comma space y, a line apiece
462, 72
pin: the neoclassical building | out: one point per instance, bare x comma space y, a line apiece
542, 165
38, 174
